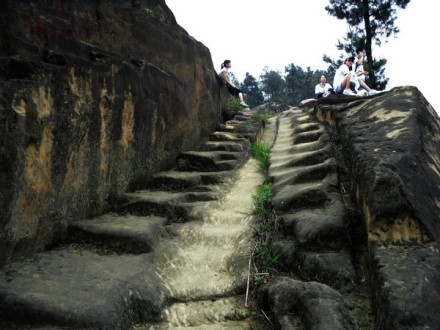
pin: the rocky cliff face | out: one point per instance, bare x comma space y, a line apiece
357, 188
95, 97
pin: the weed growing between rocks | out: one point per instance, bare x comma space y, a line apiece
263, 261
232, 108
262, 154
261, 116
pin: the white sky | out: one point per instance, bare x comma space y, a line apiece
257, 33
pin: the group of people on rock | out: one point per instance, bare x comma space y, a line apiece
350, 72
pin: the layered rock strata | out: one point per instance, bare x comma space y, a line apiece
95, 97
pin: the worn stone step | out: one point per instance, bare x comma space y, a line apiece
194, 181
199, 273
306, 195
299, 175
226, 128
222, 313
170, 204
299, 159
307, 127
306, 305
205, 234
81, 289
226, 136
120, 233
319, 228
232, 146
209, 161
333, 268
281, 149
308, 136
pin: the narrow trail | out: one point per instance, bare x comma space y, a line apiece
173, 255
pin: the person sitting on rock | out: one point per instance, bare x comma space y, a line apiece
359, 64
323, 89
232, 89
343, 79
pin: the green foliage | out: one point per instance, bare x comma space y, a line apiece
252, 91
262, 154
232, 107
261, 116
262, 200
148, 11
258, 279
370, 21
273, 85
301, 84
267, 257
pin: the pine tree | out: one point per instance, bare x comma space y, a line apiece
373, 21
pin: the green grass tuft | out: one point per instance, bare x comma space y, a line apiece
262, 154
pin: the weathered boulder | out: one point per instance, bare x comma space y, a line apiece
379, 248
392, 145
95, 97
391, 149
310, 304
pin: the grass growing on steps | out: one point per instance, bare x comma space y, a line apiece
232, 107
263, 258
262, 155
266, 225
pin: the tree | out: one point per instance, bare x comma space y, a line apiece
273, 86
254, 95
374, 19
301, 84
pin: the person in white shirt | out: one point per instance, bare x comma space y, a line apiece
232, 89
343, 75
323, 89
359, 64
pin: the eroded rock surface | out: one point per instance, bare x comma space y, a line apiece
174, 254
372, 232
95, 97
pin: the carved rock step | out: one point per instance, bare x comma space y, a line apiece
227, 136
205, 234
281, 149
202, 315
288, 175
120, 233
319, 228
164, 203
233, 146
198, 273
305, 158
313, 221
310, 305
194, 181
88, 285
80, 289
209, 161
314, 194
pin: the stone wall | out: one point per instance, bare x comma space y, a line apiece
95, 97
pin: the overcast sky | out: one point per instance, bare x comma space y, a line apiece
254, 34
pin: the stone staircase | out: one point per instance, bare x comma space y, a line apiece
316, 233
172, 255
